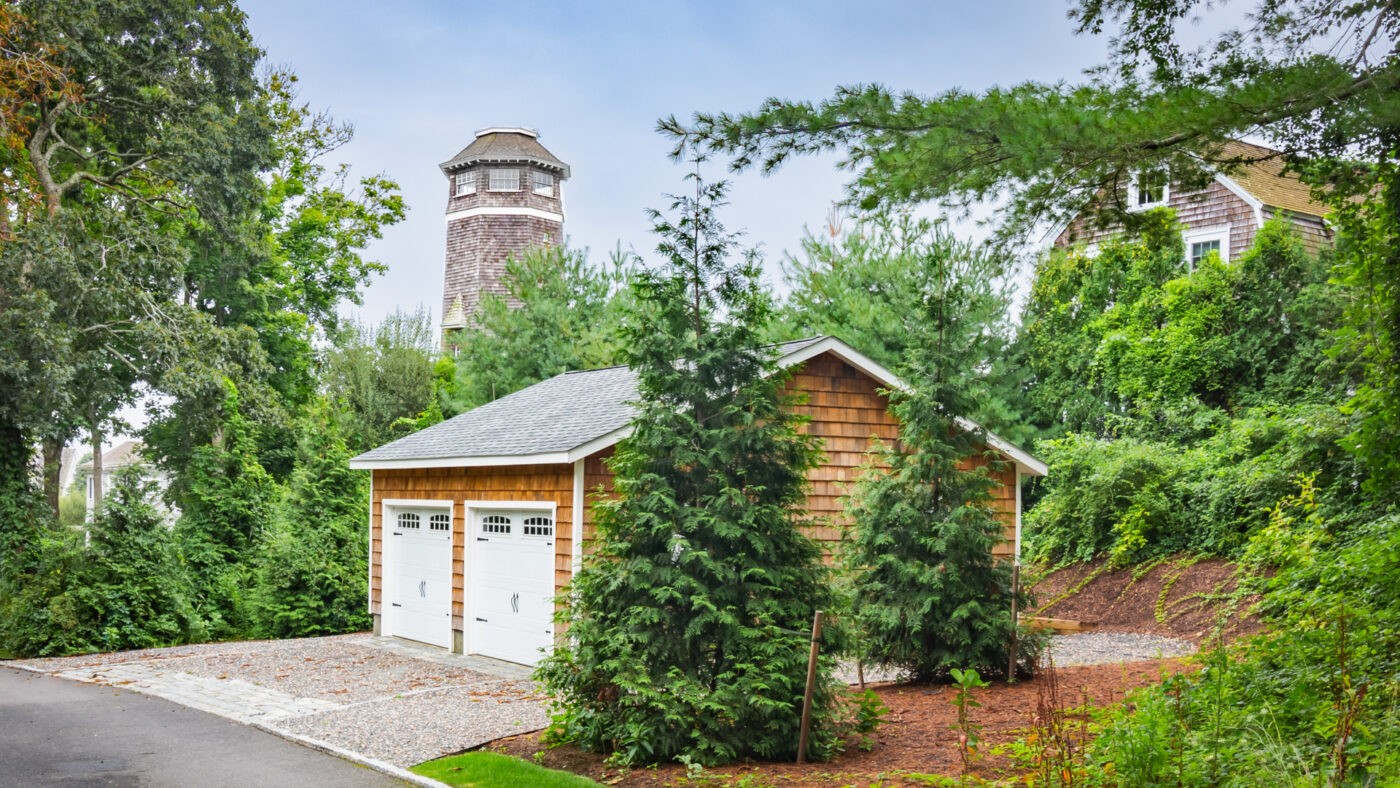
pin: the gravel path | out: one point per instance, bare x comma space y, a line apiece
1102, 648
1085, 648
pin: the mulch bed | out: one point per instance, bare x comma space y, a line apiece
918, 736
1178, 598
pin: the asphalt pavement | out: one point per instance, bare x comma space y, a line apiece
58, 732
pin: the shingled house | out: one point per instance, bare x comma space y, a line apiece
477, 522
1225, 216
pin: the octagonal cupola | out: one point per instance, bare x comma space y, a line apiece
503, 197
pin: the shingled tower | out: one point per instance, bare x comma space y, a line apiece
503, 197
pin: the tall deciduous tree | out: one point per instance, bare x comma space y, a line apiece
381, 377
686, 625
117, 118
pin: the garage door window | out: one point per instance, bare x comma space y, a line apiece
495, 524
539, 526
409, 520
440, 522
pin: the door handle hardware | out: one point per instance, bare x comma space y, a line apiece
395, 604
482, 539
482, 620
398, 533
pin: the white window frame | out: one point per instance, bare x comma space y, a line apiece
1219, 232
545, 190
1134, 193
491, 176
465, 183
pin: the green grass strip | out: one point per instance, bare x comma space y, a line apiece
491, 769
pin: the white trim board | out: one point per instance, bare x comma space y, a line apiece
504, 210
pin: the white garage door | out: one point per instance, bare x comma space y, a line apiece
420, 576
512, 615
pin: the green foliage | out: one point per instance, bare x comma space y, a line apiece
969, 731
1316, 700
1369, 253
687, 624
560, 313
312, 561
1318, 78
1137, 498
228, 502
127, 589
383, 376
870, 286
928, 595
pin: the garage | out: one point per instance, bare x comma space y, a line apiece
512, 583
419, 564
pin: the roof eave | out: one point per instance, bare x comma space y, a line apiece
452, 165
366, 463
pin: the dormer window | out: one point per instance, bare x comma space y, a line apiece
466, 183
1148, 189
504, 181
543, 183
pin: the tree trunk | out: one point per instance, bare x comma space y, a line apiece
96, 471
53, 468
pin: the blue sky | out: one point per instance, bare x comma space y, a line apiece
418, 78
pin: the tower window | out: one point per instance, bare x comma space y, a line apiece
543, 183
504, 181
466, 183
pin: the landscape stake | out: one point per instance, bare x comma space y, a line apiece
1015, 592
811, 684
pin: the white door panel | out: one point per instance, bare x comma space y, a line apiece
420, 576
512, 615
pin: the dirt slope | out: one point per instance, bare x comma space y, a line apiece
1183, 597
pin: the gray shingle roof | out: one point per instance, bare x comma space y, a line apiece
554, 415
506, 146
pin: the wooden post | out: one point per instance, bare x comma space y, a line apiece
811, 685
1015, 592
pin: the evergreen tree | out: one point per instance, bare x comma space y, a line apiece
228, 501
134, 586
312, 574
928, 594
687, 624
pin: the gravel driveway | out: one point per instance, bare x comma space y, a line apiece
384, 699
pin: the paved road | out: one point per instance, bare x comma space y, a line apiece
57, 732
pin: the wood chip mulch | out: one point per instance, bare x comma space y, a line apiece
918, 737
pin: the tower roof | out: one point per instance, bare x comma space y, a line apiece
512, 145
